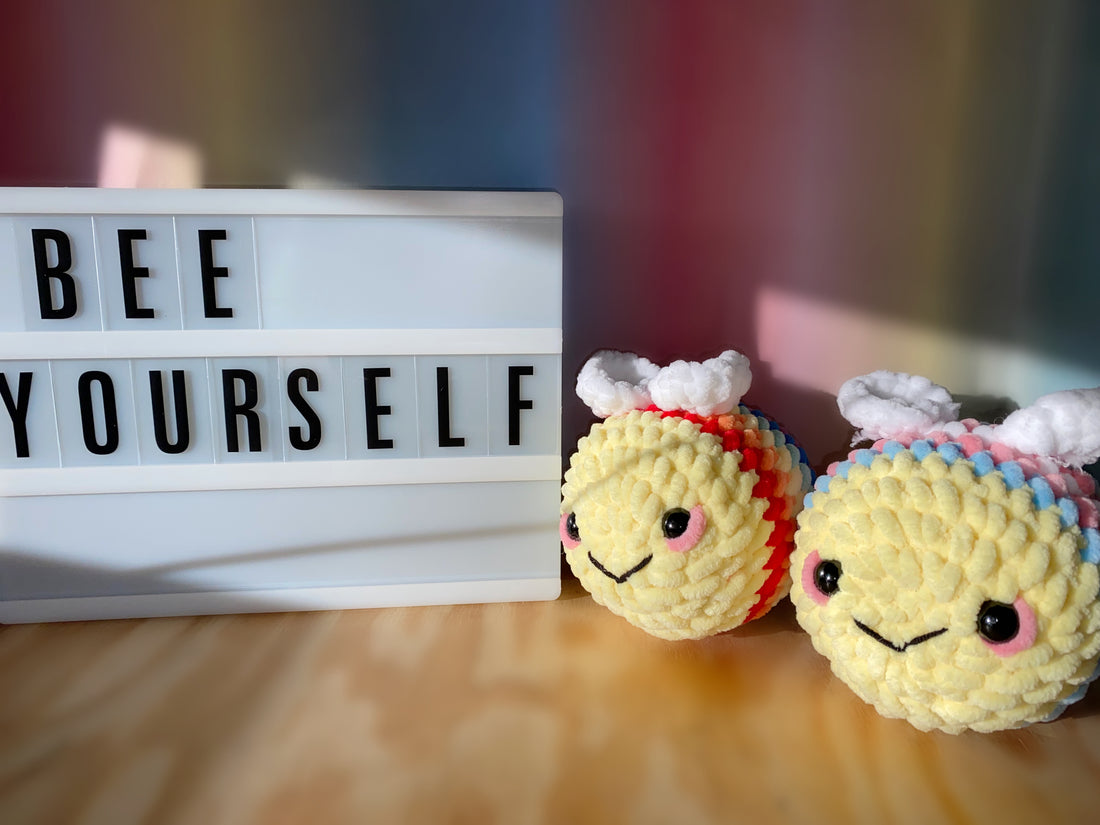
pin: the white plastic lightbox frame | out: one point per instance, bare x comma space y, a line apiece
218, 401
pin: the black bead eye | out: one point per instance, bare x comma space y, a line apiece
998, 622
675, 523
571, 528
827, 576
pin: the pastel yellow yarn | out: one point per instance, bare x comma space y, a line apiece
624, 476
922, 545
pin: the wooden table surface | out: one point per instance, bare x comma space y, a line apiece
506, 713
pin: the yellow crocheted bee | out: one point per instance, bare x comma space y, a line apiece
949, 573
678, 508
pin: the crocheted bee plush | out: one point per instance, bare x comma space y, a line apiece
678, 508
949, 572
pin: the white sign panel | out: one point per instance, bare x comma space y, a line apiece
248, 400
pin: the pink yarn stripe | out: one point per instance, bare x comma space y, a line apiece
1088, 515
1058, 484
1086, 482
1029, 465
971, 444
1049, 465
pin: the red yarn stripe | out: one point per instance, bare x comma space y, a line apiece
780, 540
766, 592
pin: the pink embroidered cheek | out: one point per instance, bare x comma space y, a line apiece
570, 533
683, 529
809, 585
1007, 629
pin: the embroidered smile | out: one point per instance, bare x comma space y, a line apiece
924, 637
624, 576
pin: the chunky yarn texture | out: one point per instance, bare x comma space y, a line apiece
926, 533
741, 481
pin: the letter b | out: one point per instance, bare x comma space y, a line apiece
44, 274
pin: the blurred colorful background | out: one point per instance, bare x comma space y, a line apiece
830, 187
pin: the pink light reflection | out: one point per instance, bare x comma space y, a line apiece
130, 158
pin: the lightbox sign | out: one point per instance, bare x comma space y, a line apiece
249, 400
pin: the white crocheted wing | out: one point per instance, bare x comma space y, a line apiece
613, 383
710, 387
1063, 425
886, 404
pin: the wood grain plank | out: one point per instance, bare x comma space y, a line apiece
511, 713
